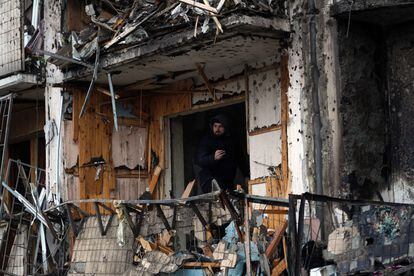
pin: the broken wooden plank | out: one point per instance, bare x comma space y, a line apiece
201, 264
216, 21
188, 189
206, 80
154, 180
264, 130
284, 88
106, 92
278, 270
278, 235
285, 252
274, 211
128, 30
200, 5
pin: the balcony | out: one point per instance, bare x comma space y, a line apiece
156, 39
17, 30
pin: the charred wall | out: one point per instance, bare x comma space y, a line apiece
363, 108
400, 44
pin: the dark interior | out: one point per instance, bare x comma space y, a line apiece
196, 125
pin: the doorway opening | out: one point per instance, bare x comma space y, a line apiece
186, 132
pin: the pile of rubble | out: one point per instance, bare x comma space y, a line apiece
217, 248
206, 236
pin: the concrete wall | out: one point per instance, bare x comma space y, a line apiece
301, 112
54, 165
376, 107
362, 109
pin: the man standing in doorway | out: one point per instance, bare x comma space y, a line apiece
217, 156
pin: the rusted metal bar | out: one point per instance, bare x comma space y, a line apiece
174, 220
233, 213
198, 214
162, 217
129, 221
300, 234
106, 208
294, 269
98, 215
199, 198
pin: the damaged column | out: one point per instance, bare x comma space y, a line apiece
53, 104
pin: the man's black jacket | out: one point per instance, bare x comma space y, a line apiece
223, 170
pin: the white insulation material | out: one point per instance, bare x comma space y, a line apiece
260, 190
265, 151
264, 99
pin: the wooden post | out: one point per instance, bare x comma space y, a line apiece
284, 87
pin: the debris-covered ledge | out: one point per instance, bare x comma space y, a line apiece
130, 30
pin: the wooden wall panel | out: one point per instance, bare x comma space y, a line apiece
94, 132
161, 106
90, 138
129, 188
70, 148
270, 147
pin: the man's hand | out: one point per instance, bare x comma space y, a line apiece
219, 154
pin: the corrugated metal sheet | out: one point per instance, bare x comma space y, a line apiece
11, 59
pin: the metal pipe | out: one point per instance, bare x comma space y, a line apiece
35, 13
317, 124
58, 159
111, 88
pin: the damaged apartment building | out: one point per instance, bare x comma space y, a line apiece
103, 105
